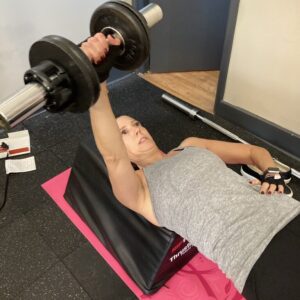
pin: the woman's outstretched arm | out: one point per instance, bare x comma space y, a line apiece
126, 185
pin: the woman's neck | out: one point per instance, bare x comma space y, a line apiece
151, 158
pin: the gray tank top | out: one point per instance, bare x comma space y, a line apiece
197, 196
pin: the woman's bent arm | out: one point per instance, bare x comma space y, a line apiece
234, 153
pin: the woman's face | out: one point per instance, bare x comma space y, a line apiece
136, 138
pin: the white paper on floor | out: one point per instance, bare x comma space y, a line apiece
20, 165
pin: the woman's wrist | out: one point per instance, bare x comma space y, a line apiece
103, 87
272, 171
100, 103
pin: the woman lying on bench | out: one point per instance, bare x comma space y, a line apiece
253, 236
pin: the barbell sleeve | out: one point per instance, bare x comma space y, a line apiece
16, 108
152, 14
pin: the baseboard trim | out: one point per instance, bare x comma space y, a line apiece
279, 137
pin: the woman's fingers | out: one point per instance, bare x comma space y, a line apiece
264, 188
92, 51
267, 188
272, 188
113, 41
97, 46
87, 51
101, 41
281, 189
254, 182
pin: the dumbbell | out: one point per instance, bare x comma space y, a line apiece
62, 78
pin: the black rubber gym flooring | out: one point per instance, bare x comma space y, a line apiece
42, 255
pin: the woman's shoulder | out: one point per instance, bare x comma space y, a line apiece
193, 142
190, 142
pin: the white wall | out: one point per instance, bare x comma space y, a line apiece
24, 22
264, 70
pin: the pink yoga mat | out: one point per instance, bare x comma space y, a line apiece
200, 279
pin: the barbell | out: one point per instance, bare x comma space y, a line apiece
62, 78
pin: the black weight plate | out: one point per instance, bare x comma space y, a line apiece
84, 79
132, 26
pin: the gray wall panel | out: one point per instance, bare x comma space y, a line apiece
190, 36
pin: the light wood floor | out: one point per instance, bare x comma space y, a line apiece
197, 88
